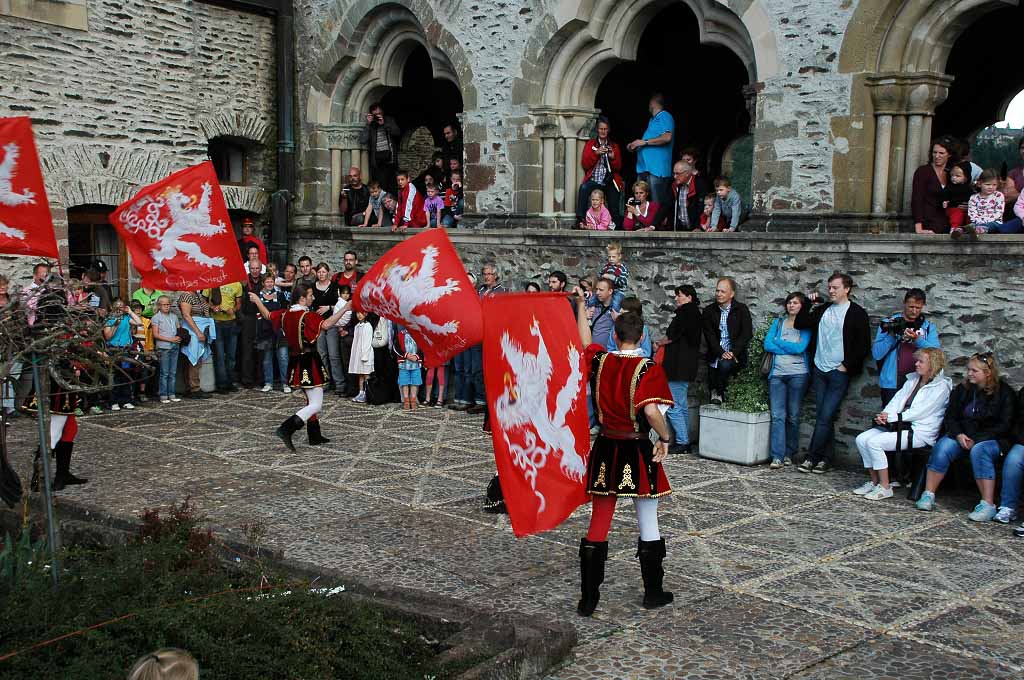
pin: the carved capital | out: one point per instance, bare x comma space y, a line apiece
908, 93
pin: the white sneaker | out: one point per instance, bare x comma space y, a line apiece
165, 400
115, 407
175, 399
287, 390
1005, 515
267, 388
129, 407
879, 493
864, 489
360, 398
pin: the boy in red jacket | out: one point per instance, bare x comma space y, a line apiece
409, 208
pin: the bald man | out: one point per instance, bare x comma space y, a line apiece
355, 197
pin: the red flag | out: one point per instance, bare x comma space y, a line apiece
179, 233
26, 227
422, 285
536, 392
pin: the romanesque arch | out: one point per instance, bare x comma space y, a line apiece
561, 79
901, 49
365, 57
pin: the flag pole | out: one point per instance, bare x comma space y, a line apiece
43, 404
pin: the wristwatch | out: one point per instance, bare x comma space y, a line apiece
664, 441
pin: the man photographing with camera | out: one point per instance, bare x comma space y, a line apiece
899, 336
380, 137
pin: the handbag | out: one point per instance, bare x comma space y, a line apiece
381, 333
766, 363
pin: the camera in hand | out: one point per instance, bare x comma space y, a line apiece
633, 202
898, 325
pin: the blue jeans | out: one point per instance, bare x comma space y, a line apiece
460, 368
829, 391
476, 364
947, 449
661, 187
1012, 226
168, 371
679, 414
1013, 473
224, 347
281, 352
786, 395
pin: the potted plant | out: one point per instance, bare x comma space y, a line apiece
739, 431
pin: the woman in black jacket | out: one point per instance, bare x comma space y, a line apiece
979, 420
682, 352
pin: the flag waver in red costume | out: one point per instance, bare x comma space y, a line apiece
630, 396
306, 371
26, 227
422, 284
533, 371
179, 234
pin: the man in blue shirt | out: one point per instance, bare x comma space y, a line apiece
654, 150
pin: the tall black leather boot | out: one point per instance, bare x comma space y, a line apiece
651, 554
593, 555
286, 429
64, 477
313, 432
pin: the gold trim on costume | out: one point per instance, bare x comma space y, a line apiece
634, 381
627, 478
600, 477
597, 388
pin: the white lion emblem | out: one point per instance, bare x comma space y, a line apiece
524, 403
186, 221
7, 195
411, 285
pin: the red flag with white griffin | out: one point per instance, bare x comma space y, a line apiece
179, 233
26, 227
536, 392
422, 284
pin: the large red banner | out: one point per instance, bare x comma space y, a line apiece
179, 233
536, 392
422, 284
26, 227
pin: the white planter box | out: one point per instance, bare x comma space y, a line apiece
734, 436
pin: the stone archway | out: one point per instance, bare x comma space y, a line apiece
560, 82
368, 54
899, 51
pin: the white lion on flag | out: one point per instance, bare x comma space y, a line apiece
8, 196
186, 221
523, 407
411, 285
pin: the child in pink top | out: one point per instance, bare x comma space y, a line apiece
985, 209
598, 216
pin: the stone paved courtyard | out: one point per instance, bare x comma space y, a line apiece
776, 574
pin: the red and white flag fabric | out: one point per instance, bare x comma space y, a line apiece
536, 393
26, 227
422, 284
179, 233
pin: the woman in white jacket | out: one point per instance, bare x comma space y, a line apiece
922, 403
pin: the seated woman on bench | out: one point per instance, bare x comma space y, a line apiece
913, 416
979, 421
986, 462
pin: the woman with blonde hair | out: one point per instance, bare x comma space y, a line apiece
979, 422
913, 415
165, 664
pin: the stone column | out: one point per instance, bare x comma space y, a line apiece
548, 200
571, 181
883, 148
337, 178
913, 158
577, 124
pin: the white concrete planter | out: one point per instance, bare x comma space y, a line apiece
734, 436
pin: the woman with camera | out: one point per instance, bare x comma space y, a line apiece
979, 422
788, 378
640, 210
913, 415
602, 163
898, 339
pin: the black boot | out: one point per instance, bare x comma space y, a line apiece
286, 429
313, 430
651, 554
592, 558
64, 477
37, 472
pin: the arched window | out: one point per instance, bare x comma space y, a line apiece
91, 238
230, 160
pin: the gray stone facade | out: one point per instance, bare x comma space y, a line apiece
137, 95
973, 297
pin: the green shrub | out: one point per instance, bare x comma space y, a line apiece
748, 389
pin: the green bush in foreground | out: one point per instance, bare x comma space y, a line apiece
167, 589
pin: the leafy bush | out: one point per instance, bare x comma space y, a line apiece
748, 389
166, 589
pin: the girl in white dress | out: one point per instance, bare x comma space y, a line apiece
361, 362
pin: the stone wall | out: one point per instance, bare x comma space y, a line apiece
973, 291
136, 94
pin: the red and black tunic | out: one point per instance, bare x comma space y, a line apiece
622, 458
301, 328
